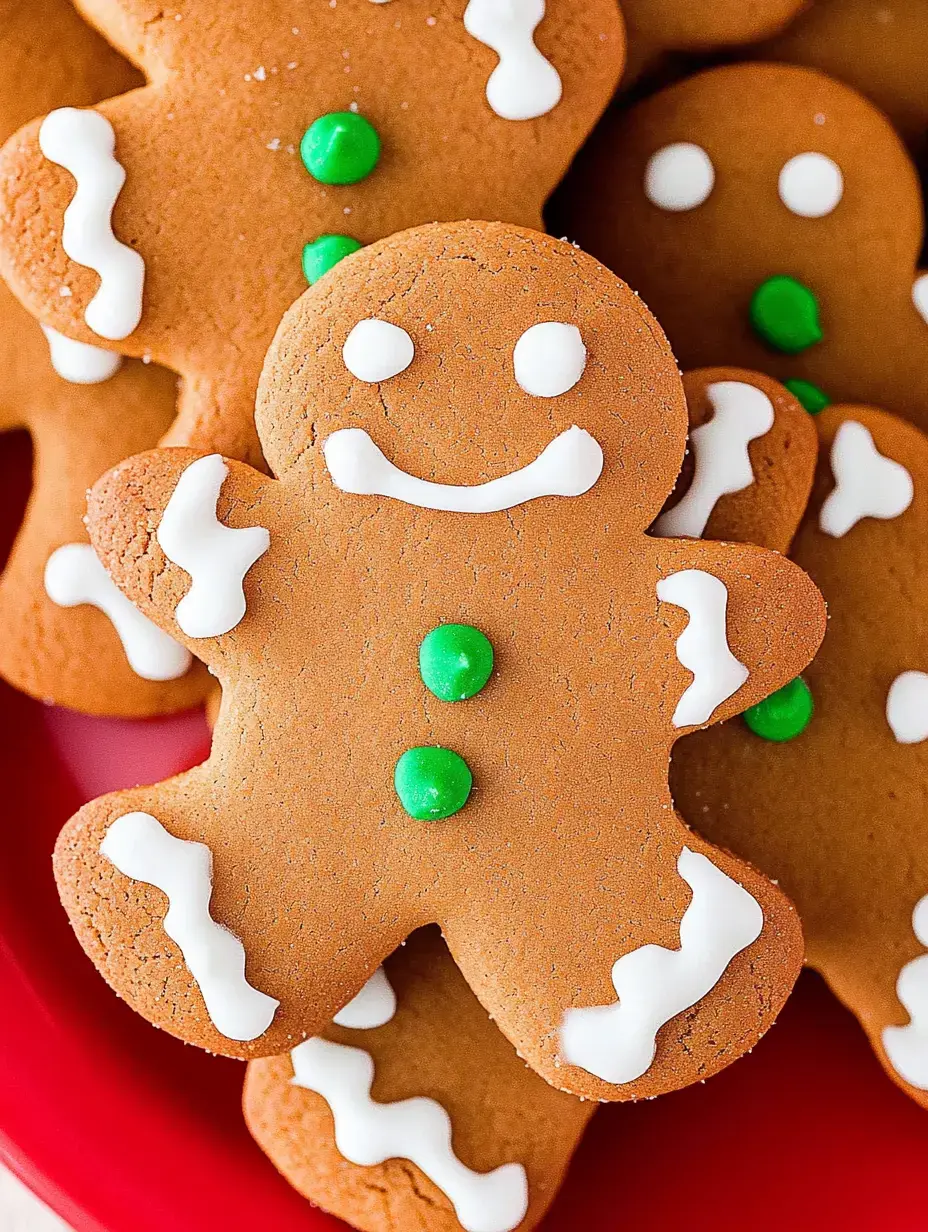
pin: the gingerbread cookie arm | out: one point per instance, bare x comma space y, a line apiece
187, 538
72, 636
505, 1143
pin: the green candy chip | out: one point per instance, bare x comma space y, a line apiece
455, 662
784, 314
784, 715
324, 253
808, 395
340, 148
432, 783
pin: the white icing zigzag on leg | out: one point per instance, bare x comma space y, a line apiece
618, 1042
142, 849
419, 1129
907, 1047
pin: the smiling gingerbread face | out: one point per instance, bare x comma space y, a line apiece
770, 217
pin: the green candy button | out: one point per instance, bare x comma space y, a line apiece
324, 253
784, 314
455, 661
432, 782
784, 715
808, 395
340, 148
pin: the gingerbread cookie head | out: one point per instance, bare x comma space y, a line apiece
69, 635
824, 786
475, 632
302, 134
771, 218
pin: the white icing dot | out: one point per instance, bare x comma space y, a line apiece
679, 177
549, 359
376, 350
920, 296
811, 185
907, 707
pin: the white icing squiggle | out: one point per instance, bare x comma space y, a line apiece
75, 576
618, 1042
702, 647
374, 1005
79, 362
907, 707
907, 1047
741, 414
140, 847
83, 142
217, 557
920, 296
419, 1129
524, 85
867, 484
569, 466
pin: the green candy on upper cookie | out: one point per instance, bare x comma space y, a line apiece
324, 253
455, 662
810, 397
784, 314
340, 148
783, 715
432, 783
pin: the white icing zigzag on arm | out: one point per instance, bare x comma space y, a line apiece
79, 362
702, 647
83, 142
217, 557
867, 484
419, 1129
74, 576
618, 1042
907, 1047
524, 85
741, 414
569, 466
140, 847
374, 1005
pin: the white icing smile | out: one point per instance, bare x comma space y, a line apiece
140, 847
618, 1042
569, 466
907, 1047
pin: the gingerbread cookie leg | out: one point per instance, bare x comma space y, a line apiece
372, 1123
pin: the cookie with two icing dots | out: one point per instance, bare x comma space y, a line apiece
272, 140
770, 217
824, 786
878, 48
70, 636
343, 1116
474, 461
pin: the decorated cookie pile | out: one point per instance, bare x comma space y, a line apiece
506, 629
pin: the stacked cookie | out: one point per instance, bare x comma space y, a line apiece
467, 557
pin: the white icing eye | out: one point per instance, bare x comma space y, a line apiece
920, 296
811, 185
679, 177
376, 350
549, 359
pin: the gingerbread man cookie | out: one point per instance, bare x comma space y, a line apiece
354, 1120
274, 139
770, 217
69, 635
824, 785
465, 471
880, 49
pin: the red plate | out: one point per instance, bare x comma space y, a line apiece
122, 1129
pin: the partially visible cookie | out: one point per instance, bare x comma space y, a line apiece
770, 217
84, 414
823, 785
487, 1151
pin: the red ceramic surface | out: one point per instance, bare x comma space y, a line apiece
122, 1129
